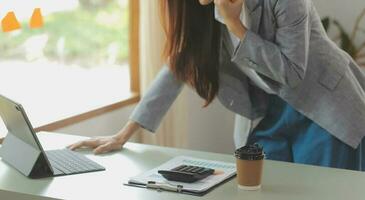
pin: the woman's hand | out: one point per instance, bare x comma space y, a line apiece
100, 144
231, 10
109, 143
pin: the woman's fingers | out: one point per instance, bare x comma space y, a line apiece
103, 148
222, 2
107, 147
225, 2
100, 145
74, 146
237, 2
92, 143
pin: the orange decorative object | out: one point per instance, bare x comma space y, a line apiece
10, 22
37, 19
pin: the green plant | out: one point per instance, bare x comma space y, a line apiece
92, 4
87, 35
347, 40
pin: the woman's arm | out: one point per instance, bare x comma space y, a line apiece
157, 100
148, 114
284, 61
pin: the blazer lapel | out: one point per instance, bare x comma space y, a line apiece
227, 40
255, 8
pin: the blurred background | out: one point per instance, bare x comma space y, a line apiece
81, 60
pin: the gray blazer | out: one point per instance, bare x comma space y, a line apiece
289, 48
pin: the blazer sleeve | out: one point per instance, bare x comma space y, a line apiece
157, 100
285, 60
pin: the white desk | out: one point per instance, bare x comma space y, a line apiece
281, 181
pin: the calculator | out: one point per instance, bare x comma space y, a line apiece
186, 173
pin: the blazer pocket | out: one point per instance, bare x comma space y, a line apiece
331, 78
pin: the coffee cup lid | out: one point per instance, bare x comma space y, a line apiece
250, 152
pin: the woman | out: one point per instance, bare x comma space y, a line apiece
269, 61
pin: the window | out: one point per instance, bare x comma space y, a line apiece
82, 62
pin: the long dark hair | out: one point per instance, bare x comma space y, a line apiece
192, 45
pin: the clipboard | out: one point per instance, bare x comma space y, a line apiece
182, 191
152, 180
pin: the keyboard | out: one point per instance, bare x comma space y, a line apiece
66, 162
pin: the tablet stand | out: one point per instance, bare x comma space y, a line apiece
27, 159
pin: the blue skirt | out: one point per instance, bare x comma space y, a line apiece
287, 135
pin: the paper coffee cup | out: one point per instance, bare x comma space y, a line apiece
249, 163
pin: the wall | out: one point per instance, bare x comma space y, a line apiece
345, 12
211, 129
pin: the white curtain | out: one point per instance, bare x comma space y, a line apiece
172, 131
